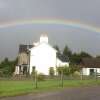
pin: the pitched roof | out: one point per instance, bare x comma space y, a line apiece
90, 62
24, 48
43, 43
62, 57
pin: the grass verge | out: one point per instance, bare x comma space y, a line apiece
13, 88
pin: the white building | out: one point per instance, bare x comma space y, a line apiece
43, 56
90, 66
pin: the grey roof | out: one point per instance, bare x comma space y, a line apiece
24, 48
62, 57
90, 62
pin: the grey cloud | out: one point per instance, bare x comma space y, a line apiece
86, 11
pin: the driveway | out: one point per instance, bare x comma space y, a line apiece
80, 93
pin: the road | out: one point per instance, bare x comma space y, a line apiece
80, 93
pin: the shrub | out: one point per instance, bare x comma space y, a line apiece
66, 70
74, 68
41, 77
77, 74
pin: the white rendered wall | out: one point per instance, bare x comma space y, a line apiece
98, 70
60, 63
86, 71
16, 70
42, 57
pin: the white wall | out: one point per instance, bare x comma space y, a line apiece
98, 70
86, 71
60, 63
42, 57
16, 70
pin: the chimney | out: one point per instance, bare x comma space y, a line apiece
44, 38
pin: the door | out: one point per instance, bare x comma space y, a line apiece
92, 72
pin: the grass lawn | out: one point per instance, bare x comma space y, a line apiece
12, 88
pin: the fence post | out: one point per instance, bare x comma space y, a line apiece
62, 78
36, 85
96, 74
81, 74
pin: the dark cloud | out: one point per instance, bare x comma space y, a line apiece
86, 11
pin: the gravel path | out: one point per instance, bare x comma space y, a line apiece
81, 93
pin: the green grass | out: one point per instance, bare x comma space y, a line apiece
12, 88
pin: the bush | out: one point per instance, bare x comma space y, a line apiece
77, 74
41, 77
74, 68
65, 69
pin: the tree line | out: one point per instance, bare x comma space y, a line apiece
7, 67
74, 58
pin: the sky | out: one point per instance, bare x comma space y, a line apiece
78, 39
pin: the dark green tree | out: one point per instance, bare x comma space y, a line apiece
84, 54
67, 51
76, 57
7, 67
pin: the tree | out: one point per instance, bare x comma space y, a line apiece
6, 60
84, 54
74, 68
66, 70
76, 57
7, 67
67, 51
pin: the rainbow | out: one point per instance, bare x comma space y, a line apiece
73, 24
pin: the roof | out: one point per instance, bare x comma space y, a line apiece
43, 43
24, 48
62, 57
90, 62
